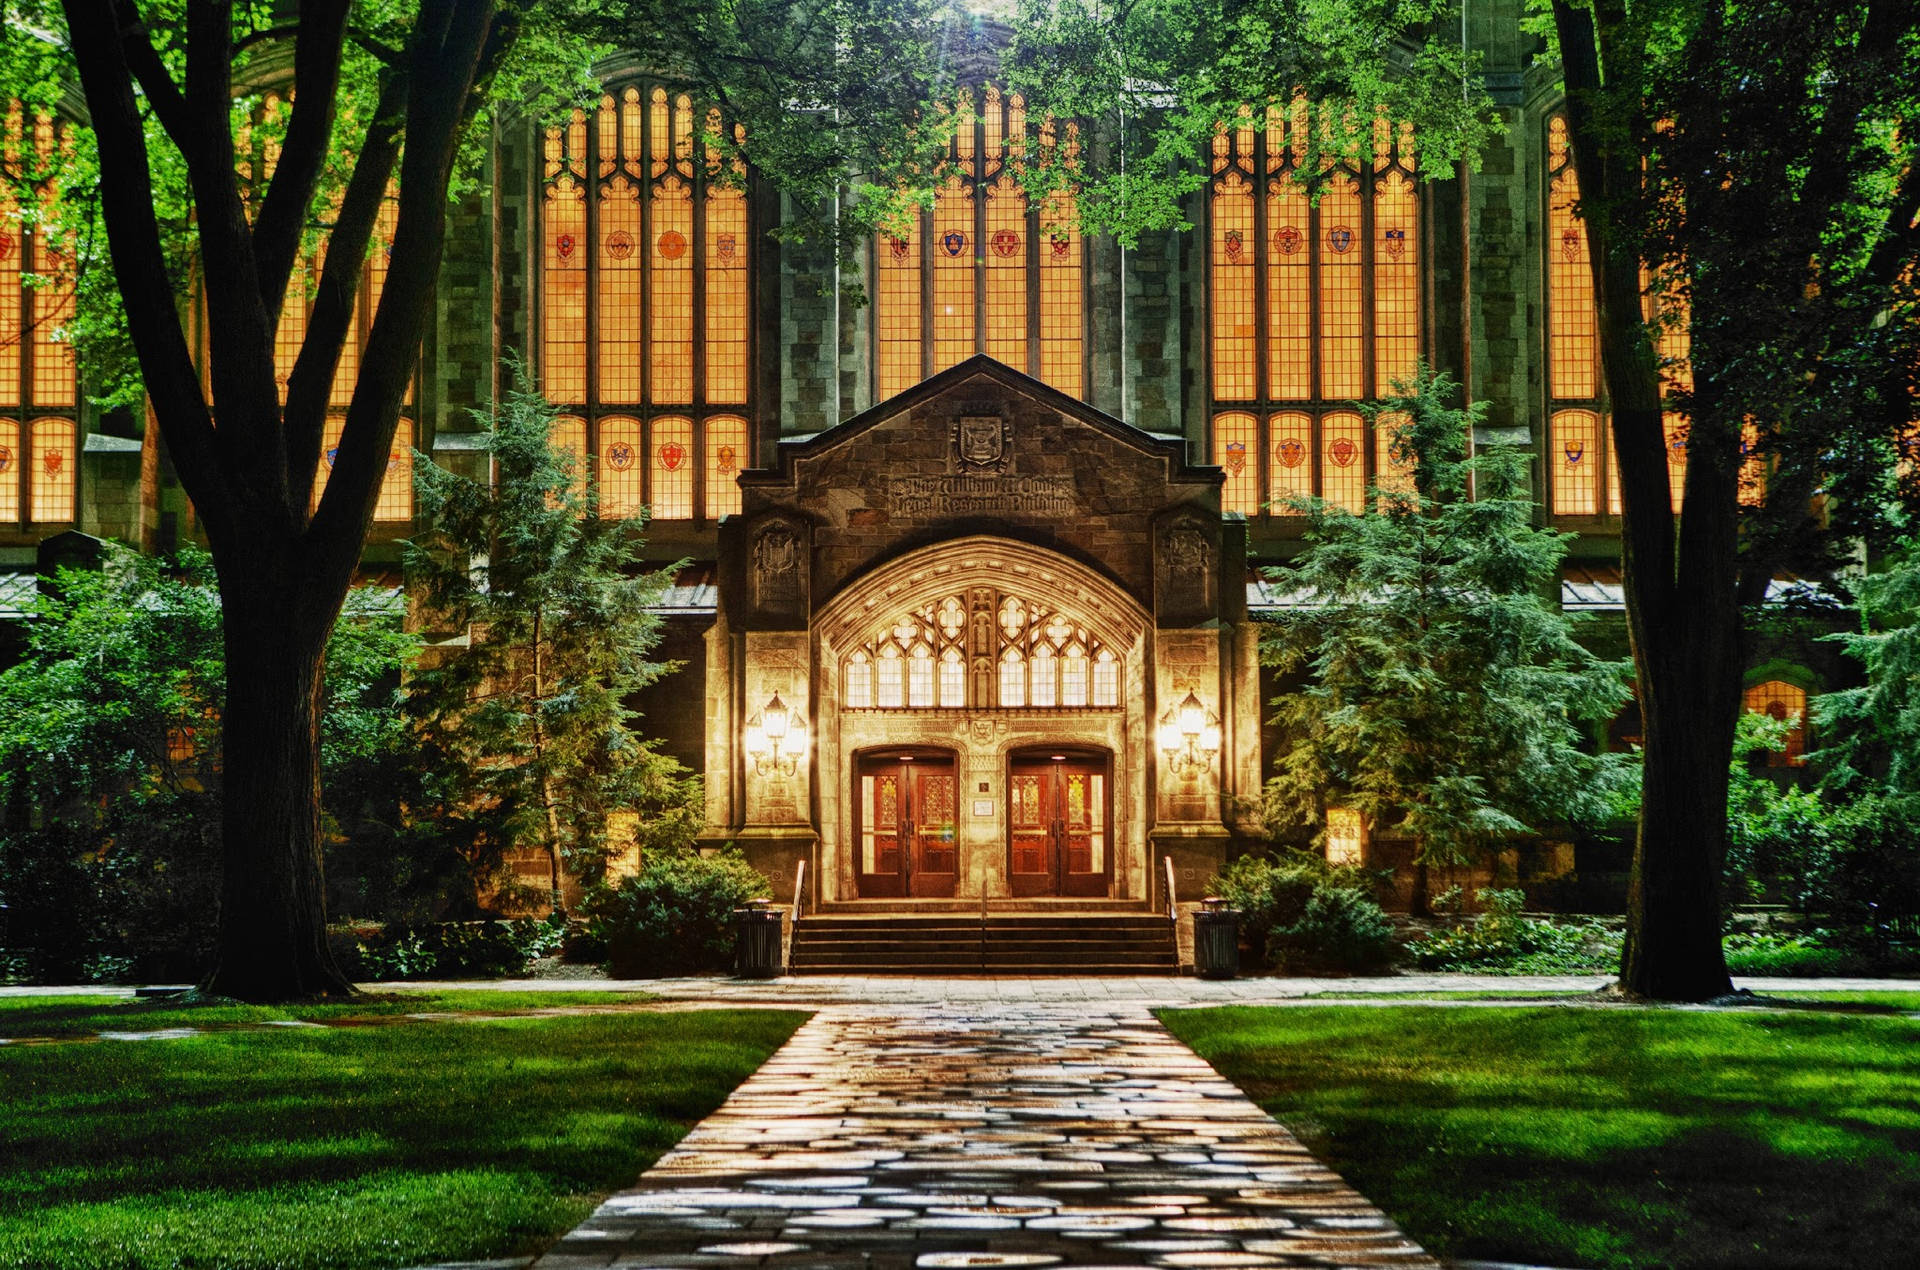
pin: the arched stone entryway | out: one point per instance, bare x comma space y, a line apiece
992, 650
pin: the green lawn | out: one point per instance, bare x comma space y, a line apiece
81, 1015
349, 1147
1606, 1137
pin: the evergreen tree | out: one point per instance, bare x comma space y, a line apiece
1444, 694
1871, 733
533, 738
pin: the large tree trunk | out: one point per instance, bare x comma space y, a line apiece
273, 936
1672, 950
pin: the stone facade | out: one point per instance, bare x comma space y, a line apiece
980, 484
851, 491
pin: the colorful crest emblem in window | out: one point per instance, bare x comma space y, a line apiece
1340, 238
723, 460
620, 456
953, 242
1291, 452
724, 246
1575, 451
619, 244
1236, 245
1005, 242
6, 246
1287, 240
897, 248
673, 244
6, 458
672, 455
563, 246
394, 460
1343, 452
1571, 240
1396, 242
1236, 458
1061, 243
333, 455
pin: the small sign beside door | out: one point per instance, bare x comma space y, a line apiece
983, 807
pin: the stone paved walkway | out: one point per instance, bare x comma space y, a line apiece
986, 1135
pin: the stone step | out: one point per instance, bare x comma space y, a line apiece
1027, 943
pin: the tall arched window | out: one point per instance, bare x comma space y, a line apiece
259, 146
644, 312
1311, 306
39, 393
1583, 476
986, 270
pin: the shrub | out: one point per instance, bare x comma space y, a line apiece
1770, 953
1339, 928
435, 950
131, 896
1501, 938
1271, 893
674, 915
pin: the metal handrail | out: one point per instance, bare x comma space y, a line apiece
799, 896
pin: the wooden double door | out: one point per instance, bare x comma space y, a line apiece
904, 807
1059, 825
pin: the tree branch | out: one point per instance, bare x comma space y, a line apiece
452, 42
143, 61
311, 382
316, 84
139, 260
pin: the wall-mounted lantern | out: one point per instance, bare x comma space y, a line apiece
775, 740
1190, 738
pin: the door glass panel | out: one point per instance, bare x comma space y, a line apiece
937, 852
886, 822
1029, 825
1097, 825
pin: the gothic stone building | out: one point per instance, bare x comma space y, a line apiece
975, 562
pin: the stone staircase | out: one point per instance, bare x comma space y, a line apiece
1000, 944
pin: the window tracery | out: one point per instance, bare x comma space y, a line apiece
644, 301
986, 269
1312, 304
39, 389
982, 649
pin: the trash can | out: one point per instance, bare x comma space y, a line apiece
756, 941
1216, 939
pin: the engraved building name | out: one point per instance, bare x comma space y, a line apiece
961, 494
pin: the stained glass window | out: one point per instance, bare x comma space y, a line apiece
985, 270
1787, 703
1313, 303
394, 502
1393, 461
39, 390
1574, 456
726, 448
1236, 449
1031, 656
1584, 473
645, 299
672, 468
1343, 468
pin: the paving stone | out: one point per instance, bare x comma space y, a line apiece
984, 1133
